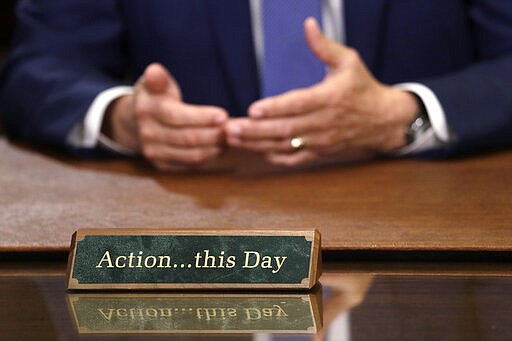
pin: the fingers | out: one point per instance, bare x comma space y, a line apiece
307, 99
186, 147
331, 117
279, 128
290, 103
327, 50
153, 132
178, 114
157, 80
263, 146
173, 135
156, 97
269, 135
300, 101
320, 142
175, 132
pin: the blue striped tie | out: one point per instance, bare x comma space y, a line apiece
288, 63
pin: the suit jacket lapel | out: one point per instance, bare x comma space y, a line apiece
232, 35
364, 22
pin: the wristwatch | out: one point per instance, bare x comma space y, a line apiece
419, 124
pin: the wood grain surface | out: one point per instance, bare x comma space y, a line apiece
451, 205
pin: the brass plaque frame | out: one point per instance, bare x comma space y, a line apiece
312, 236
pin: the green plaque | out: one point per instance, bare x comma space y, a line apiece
191, 259
196, 313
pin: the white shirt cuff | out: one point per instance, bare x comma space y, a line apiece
438, 134
87, 134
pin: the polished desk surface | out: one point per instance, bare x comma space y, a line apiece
459, 204
405, 205
361, 301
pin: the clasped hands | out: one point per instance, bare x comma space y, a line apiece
348, 113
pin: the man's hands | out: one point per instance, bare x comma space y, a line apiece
171, 134
347, 115
348, 112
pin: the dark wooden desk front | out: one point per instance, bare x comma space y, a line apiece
386, 205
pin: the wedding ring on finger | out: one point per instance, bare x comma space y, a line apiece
297, 143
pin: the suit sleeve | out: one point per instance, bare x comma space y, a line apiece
478, 99
64, 53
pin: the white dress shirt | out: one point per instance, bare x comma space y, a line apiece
87, 134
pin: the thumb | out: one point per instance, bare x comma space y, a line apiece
158, 80
327, 50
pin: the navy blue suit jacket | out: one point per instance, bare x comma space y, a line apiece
65, 52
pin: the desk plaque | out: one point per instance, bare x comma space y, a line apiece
193, 259
196, 313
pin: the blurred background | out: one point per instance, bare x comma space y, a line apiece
6, 29
6, 24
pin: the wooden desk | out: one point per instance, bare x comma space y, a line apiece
386, 205
371, 301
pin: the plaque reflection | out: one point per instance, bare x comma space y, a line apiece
196, 312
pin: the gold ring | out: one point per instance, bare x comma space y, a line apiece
297, 143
